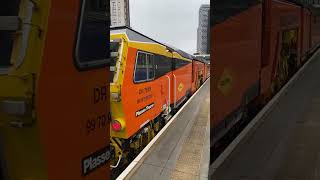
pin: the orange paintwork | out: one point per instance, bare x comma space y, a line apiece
239, 56
207, 70
64, 100
249, 58
158, 93
181, 77
290, 19
198, 72
139, 103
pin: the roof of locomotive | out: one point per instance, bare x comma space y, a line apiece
182, 53
137, 36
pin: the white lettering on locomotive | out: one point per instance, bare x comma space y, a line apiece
95, 160
145, 109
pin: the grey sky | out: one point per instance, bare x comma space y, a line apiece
174, 22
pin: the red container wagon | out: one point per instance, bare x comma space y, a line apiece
198, 71
257, 46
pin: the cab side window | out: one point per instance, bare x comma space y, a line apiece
180, 63
163, 65
8, 9
92, 39
144, 68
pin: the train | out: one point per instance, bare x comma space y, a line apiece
54, 102
257, 46
149, 81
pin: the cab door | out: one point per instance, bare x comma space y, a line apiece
20, 52
73, 91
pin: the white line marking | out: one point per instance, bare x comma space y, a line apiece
131, 167
144, 123
169, 91
224, 155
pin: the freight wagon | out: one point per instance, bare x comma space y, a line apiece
257, 47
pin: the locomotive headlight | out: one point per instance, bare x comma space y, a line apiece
117, 125
115, 96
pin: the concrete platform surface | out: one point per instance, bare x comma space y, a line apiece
286, 144
182, 152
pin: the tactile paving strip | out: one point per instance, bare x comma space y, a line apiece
189, 161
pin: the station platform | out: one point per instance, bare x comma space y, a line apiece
182, 151
285, 143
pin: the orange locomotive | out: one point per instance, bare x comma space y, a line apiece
149, 81
53, 90
276, 39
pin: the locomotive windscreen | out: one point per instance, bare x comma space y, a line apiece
91, 48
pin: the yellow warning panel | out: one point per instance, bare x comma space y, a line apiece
225, 82
180, 87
